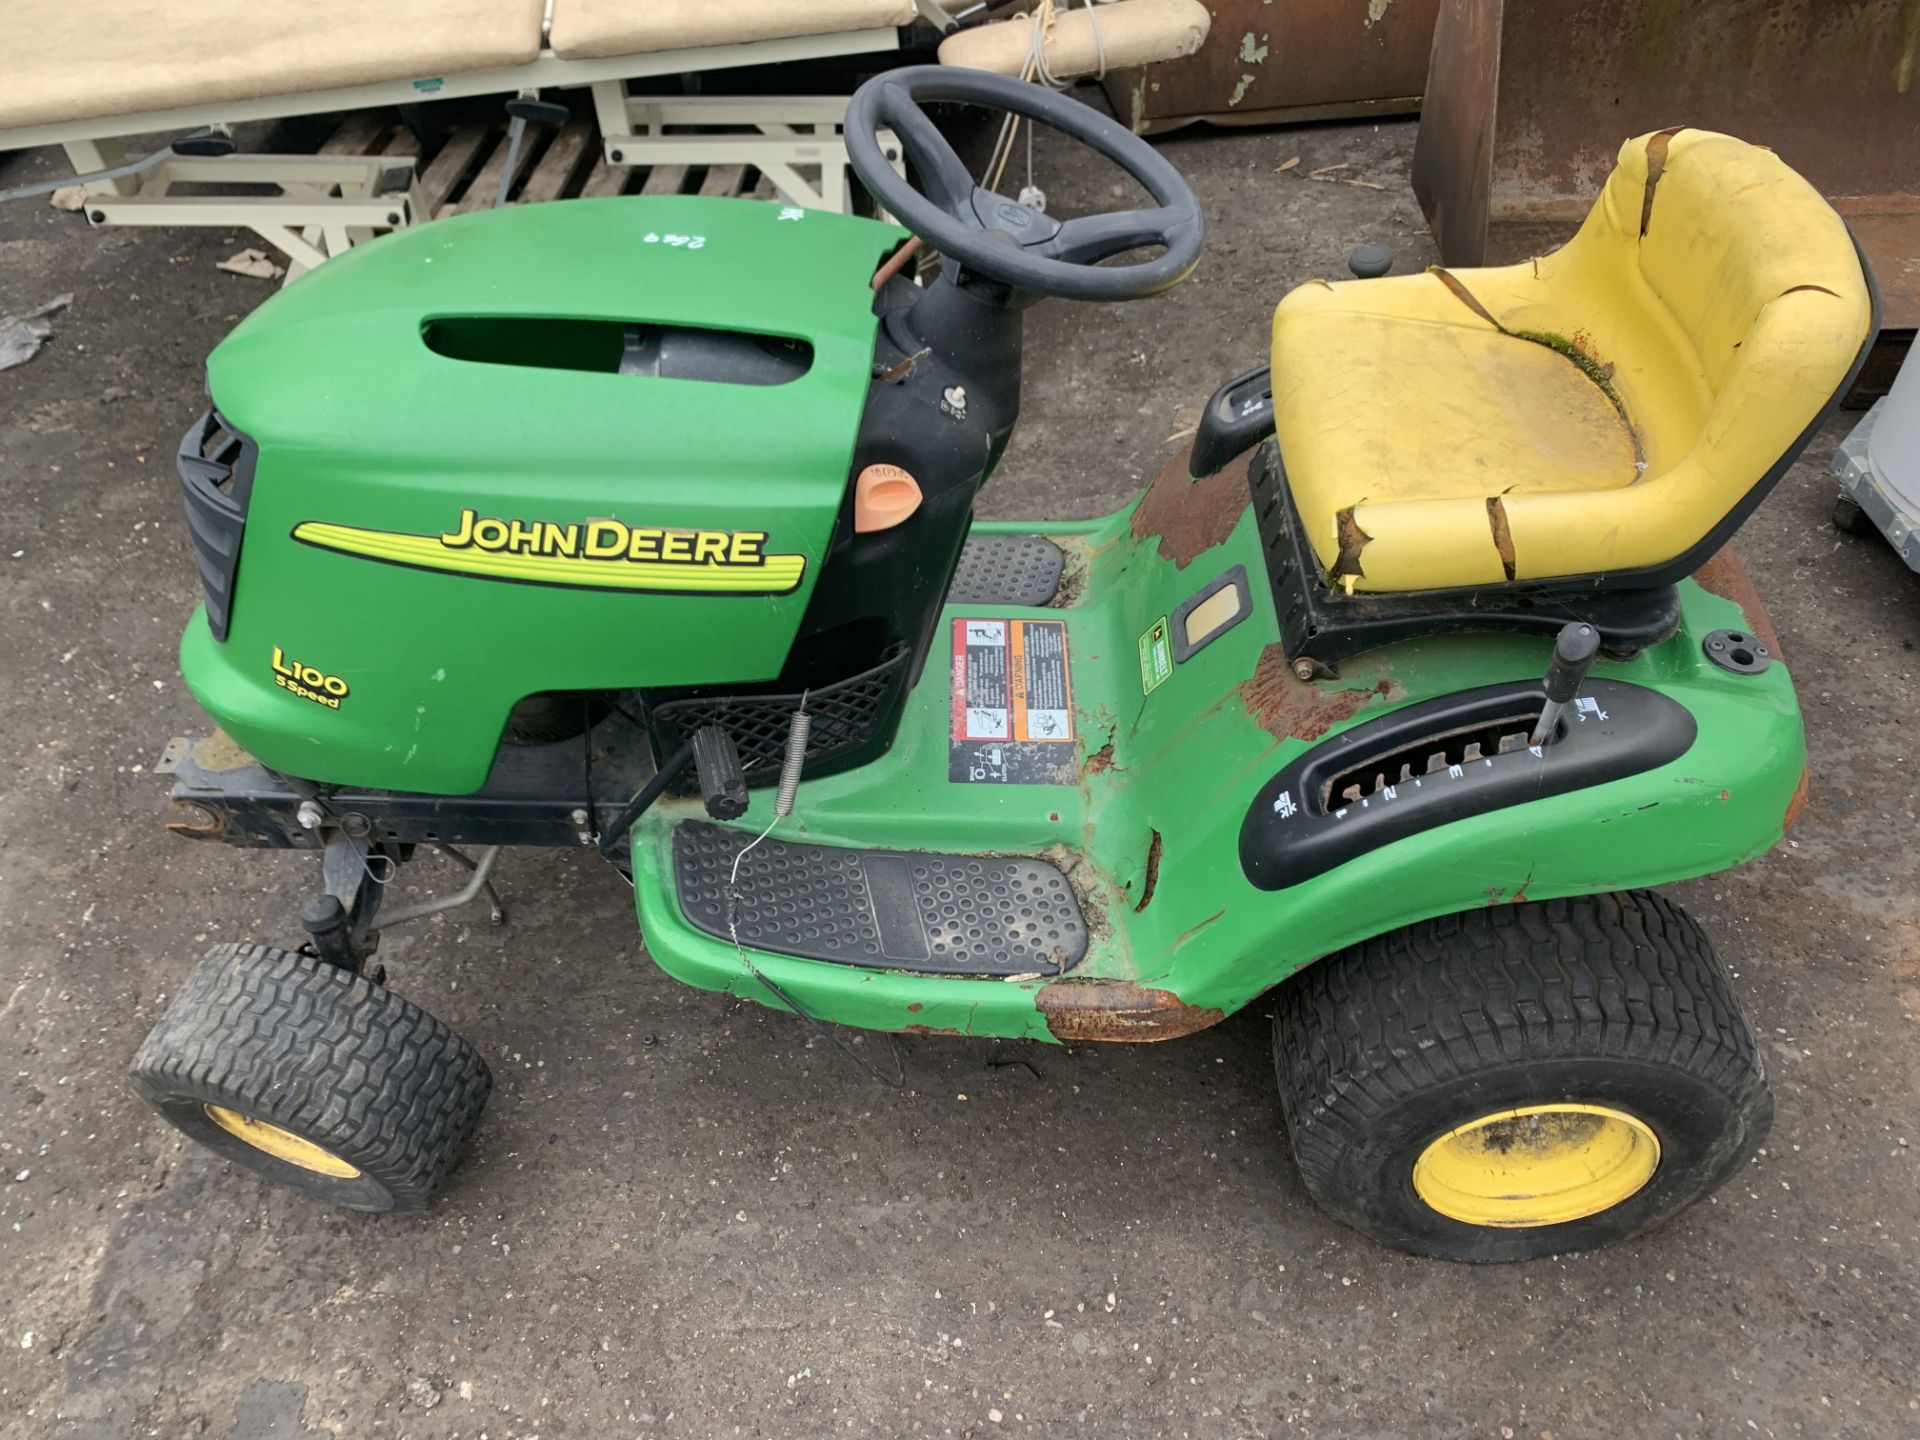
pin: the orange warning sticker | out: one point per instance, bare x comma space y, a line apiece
1012, 696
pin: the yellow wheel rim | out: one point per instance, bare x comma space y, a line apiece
281, 1144
1539, 1165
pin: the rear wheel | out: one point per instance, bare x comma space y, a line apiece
314, 1078
1520, 1081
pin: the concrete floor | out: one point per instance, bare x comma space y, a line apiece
686, 1217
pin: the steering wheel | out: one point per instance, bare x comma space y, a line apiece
990, 235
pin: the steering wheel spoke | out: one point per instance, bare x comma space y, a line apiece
1093, 238
942, 175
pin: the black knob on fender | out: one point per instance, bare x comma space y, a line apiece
1369, 262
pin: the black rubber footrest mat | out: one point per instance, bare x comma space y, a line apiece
1006, 570
882, 909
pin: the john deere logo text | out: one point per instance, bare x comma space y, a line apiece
307, 682
591, 554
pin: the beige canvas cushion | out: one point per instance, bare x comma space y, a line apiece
587, 29
1130, 33
86, 59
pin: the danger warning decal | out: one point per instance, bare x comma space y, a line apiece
1012, 703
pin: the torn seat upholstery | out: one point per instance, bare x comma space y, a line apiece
1600, 409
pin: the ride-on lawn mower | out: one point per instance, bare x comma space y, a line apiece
645, 526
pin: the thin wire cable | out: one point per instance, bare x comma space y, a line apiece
1010, 124
783, 806
1036, 69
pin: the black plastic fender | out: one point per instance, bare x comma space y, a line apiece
1298, 827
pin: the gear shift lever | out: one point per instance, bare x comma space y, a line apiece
1573, 653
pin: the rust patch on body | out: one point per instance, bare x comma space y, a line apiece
1657, 144
1100, 761
1727, 577
1797, 801
1119, 1010
1191, 516
1502, 534
1288, 708
201, 824
1153, 872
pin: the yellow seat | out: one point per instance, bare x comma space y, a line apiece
1600, 409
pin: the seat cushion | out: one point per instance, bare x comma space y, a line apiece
587, 29
1599, 409
89, 59
1432, 409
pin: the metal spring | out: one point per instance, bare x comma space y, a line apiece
796, 756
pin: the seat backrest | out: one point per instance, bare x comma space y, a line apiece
1725, 229
1748, 309
1711, 296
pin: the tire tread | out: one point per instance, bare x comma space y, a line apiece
1624, 975
325, 1054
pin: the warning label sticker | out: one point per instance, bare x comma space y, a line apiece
1156, 657
1012, 703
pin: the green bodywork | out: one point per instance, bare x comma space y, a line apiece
1184, 762
360, 423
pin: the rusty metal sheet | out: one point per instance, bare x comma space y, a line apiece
1273, 60
1527, 105
1117, 1010
1725, 575
1192, 516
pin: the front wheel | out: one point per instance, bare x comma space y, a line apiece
1520, 1081
314, 1078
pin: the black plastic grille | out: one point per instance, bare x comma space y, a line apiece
215, 463
1007, 570
846, 714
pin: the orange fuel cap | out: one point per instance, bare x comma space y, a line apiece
883, 496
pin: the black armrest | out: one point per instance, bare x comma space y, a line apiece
1238, 417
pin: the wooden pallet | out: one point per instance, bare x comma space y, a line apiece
554, 164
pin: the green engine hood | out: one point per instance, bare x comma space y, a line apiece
428, 539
